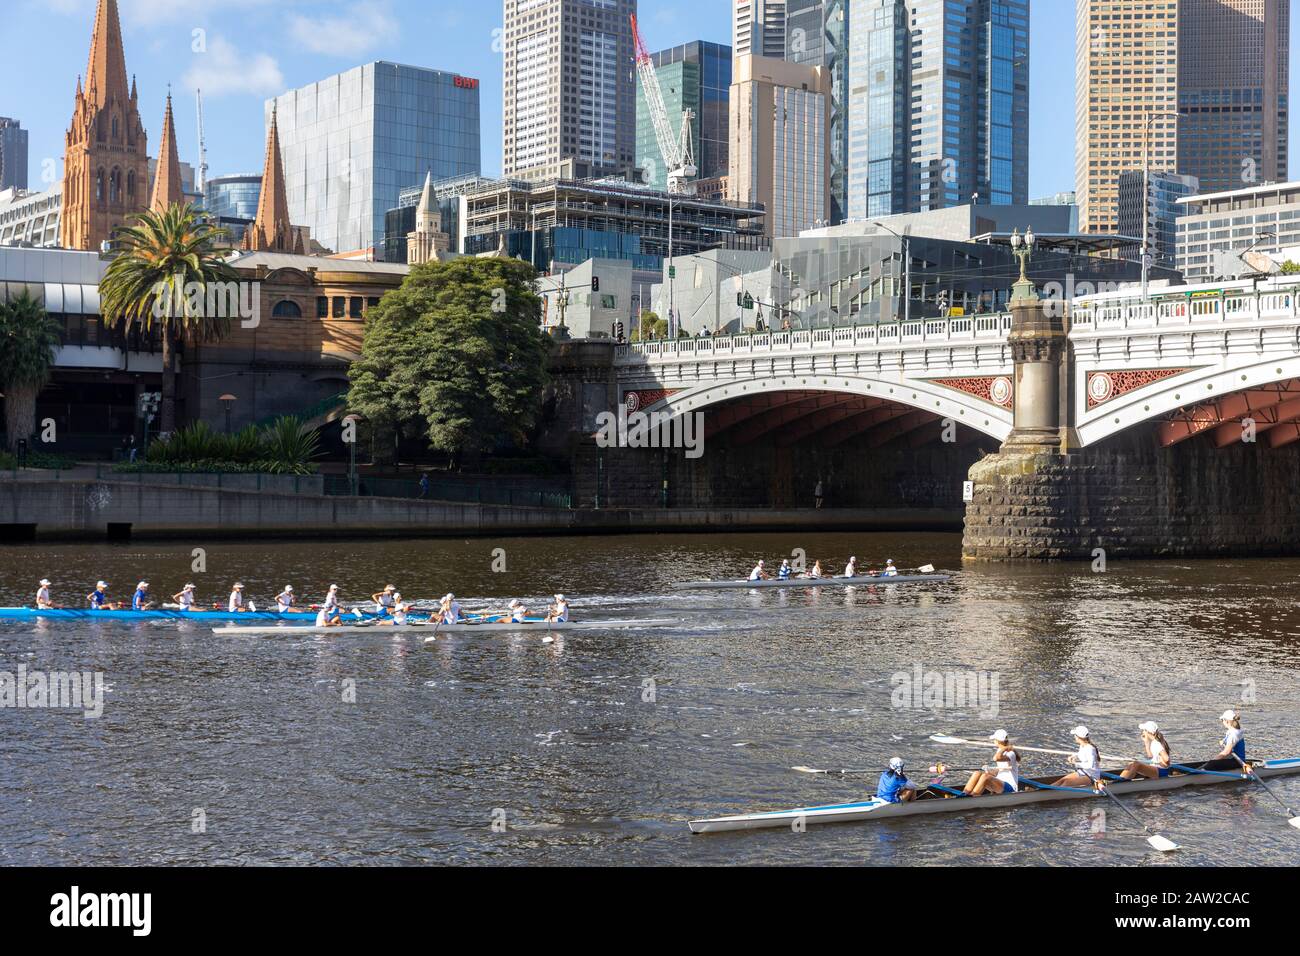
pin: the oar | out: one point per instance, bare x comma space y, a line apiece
945, 739
934, 769
1250, 772
1156, 841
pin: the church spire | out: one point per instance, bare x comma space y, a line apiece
271, 230
106, 69
167, 188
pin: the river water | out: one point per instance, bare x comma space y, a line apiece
597, 748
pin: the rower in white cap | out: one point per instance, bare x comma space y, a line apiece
1157, 751
140, 601
890, 570
759, 574
184, 598
385, 600
515, 613
449, 609
894, 787
285, 600
1234, 743
558, 613
98, 598
1087, 763
851, 569
236, 603
43, 597
1005, 777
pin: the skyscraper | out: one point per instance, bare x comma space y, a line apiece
780, 142
13, 154
817, 34
105, 164
569, 98
1232, 91
350, 142
938, 104
694, 76
758, 28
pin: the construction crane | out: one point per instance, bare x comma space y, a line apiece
201, 184
678, 152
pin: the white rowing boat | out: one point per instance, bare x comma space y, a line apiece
931, 800
855, 581
469, 627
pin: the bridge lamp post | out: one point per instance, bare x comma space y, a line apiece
228, 402
352, 452
906, 240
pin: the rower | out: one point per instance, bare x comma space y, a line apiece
890, 570
558, 613
140, 601
284, 601
329, 615
43, 597
1234, 744
851, 569
758, 574
894, 787
236, 603
1006, 775
184, 598
98, 598
816, 571
515, 613
1157, 751
399, 610
450, 609
1087, 761
783, 572
385, 600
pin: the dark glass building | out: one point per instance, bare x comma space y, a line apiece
694, 76
817, 34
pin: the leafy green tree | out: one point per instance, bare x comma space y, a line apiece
28, 340
456, 354
167, 260
651, 327
1290, 268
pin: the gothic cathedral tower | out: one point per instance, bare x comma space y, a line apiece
105, 165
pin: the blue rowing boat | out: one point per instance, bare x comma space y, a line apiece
159, 614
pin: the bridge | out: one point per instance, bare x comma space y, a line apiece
1186, 361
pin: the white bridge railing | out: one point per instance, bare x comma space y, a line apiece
979, 328
1172, 312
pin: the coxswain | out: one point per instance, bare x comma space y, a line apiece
385, 600
184, 598
1087, 763
98, 598
1157, 751
140, 600
1233, 743
558, 613
1005, 777
894, 787
44, 600
759, 574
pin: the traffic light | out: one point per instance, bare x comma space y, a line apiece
595, 284
740, 299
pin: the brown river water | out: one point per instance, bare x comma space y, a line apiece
376, 748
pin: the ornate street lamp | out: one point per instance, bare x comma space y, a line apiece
1022, 247
228, 401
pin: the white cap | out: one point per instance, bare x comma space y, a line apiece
238, 586
889, 560
559, 597
1080, 731
514, 602
854, 558
143, 584
1229, 715
389, 587
288, 587
334, 587
188, 587
101, 584
896, 763
448, 596
397, 594
760, 560
45, 582
1150, 727
999, 735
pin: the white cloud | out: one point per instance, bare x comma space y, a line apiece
223, 69
364, 26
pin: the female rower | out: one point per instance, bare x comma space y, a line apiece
758, 574
516, 613
385, 600
331, 602
558, 613
851, 569
816, 571
450, 609
99, 601
1234, 744
894, 787
1006, 775
285, 600
783, 572
1157, 751
236, 603
1087, 761
329, 616
890, 570
184, 598
400, 608
140, 601
44, 600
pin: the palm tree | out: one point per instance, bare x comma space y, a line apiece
28, 339
160, 277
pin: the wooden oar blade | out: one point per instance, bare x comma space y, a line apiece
1162, 844
926, 569
809, 770
946, 739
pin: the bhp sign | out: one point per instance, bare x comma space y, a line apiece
466, 83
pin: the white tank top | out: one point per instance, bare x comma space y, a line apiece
186, 599
1158, 751
1009, 769
1089, 762
850, 570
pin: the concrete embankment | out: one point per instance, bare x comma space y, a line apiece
32, 509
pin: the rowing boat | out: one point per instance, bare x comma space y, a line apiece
469, 626
157, 614
855, 581
931, 800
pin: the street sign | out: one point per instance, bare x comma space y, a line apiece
968, 491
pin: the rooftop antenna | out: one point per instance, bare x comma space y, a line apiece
200, 185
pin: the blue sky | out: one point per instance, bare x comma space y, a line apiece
256, 48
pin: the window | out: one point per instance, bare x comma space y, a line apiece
354, 307
371, 303
286, 309
322, 307
339, 305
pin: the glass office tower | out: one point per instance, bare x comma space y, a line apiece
817, 34
233, 197
350, 143
938, 104
693, 76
